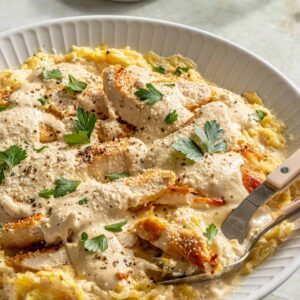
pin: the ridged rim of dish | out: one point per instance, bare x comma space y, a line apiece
284, 274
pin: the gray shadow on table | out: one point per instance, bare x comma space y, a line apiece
105, 7
209, 15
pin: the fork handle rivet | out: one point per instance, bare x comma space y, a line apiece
284, 170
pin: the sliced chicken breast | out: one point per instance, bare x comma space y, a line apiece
124, 155
41, 259
22, 233
120, 85
175, 240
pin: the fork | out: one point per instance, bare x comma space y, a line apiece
292, 212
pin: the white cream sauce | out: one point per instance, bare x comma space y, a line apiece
215, 175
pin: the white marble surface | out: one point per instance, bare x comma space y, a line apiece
270, 28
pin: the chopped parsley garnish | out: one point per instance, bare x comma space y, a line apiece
77, 138
150, 95
210, 140
114, 176
12, 156
2, 176
42, 100
3, 108
46, 193
84, 125
171, 117
169, 84
94, 244
180, 70
62, 187
83, 201
75, 85
207, 140
117, 227
210, 232
188, 148
159, 69
85, 122
259, 115
38, 150
52, 74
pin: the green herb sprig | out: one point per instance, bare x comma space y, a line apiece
84, 126
207, 140
259, 115
171, 117
117, 227
179, 70
10, 158
159, 69
210, 232
52, 74
114, 176
75, 85
94, 244
62, 187
150, 95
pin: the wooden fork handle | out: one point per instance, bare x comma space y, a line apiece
286, 172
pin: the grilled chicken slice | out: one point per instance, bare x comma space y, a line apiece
41, 259
60, 101
175, 240
22, 233
113, 129
47, 133
114, 157
120, 85
112, 197
185, 196
32, 125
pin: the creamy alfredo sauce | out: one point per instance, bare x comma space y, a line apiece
217, 175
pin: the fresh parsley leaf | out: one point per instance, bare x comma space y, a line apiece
207, 140
180, 70
171, 117
52, 74
38, 150
150, 95
169, 84
94, 244
117, 227
84, 236
3, 108
64, 186
83, 201
188, 148
77, 138
12, 156
46, 193
2, 176
210, 140
159, 69
85, 122
259, 115
42, 100
210, 232
75, 85
114, 176
84, 125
